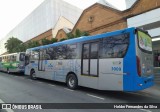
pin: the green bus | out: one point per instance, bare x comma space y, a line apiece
14, 62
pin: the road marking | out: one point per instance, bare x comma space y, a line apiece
8, 110
145, 110
96, 96
68, 89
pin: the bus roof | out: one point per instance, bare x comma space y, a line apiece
85, 38
11, 54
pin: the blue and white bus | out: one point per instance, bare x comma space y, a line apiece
119, 61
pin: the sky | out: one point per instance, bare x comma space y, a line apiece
12, 12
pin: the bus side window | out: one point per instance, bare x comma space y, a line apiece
94, 51
34, 55
45, 55
50, 53
72, 51
114, 47
61, 52
86, 51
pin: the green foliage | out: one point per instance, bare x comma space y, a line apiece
53, 40
70, 35
62, 39
78, 33
85, 34
31, 44
11, 44
21, 48
45, 41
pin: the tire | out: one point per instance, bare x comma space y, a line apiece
72, 81
33, 75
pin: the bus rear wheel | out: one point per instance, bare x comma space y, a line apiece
33, 75
72, 81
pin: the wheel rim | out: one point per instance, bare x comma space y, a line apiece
71, 82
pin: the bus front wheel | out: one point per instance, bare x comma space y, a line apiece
72, 81
33, 75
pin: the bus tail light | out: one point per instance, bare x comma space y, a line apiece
138, 66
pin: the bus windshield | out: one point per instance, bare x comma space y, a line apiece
144, 41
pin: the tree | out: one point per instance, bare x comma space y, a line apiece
62, 39
31, 44
12, 44
78, 33
53, 40
70, 35
45, 41
15, 45
21, 48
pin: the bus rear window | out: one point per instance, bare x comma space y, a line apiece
144, 41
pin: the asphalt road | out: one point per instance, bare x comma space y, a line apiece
16, 88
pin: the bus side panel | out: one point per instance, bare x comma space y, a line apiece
130, 65
111, 74
58, 69
55, 69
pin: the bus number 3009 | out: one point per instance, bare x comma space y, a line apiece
116, 68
